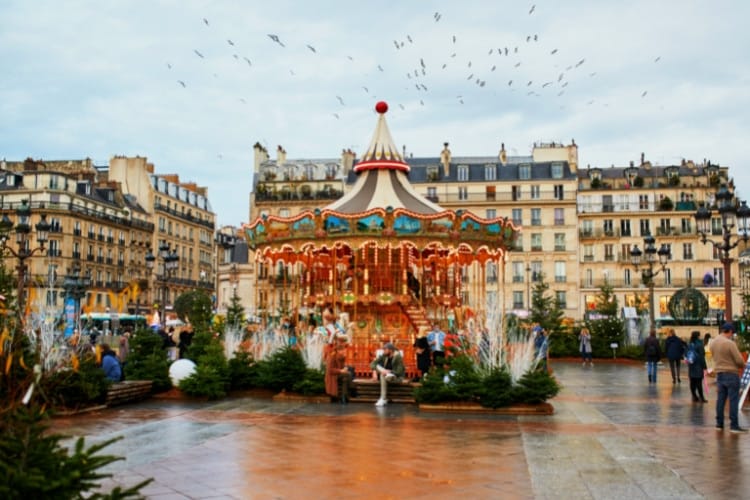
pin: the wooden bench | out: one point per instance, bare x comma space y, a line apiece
368, 391
128, 391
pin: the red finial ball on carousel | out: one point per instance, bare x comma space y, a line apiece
381, 107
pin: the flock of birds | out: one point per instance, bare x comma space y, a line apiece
479, 70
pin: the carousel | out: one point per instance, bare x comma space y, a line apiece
383, 257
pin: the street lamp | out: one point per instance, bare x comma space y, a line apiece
733, 212
170, 261
23, 229
647, 274
75, 286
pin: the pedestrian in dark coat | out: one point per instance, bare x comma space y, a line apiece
696, 368
652, 352
675, 349
424, 359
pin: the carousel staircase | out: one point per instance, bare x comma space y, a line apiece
417, 317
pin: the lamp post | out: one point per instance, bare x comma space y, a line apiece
647, 274
23, 229
733, 213
170, 261
75, 286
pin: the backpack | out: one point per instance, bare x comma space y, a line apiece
651, 349
690, 355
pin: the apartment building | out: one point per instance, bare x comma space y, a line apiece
619, 206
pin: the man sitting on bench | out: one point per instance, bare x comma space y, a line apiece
390, 367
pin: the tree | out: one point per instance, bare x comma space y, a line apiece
194, 307
235, 313
545, 308
606, 327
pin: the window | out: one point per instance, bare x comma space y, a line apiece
560, 274
518, 271
642, 202
589, 278
536, 216
667, 277
585, 203
626, 277
608, 227
491, 213
463, 173
433, 173
524, 172
559, 242
562, 299
490, 193
689, 275
609, 252
559, 192
625, 253
515, 192
517, 300
559, 217
623, 203
665, 226
491, 272
463, 193
516, 216
645, 227
588, 228
432, 193
284, 212
489, 172
588, 253
535, 192
687, 251
718, 276
536, 242
716, 226
557, 170
536, 270
625, 227
686, 226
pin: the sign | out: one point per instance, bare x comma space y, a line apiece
69, 310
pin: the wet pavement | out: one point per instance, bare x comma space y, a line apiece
613, 435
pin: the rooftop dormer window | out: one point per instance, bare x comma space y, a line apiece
490, 172
433, 173
556, 170
463, 173
524, 172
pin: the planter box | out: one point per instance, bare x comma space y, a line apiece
469, 407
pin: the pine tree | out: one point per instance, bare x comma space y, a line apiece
235, 313
546, 310
606, 327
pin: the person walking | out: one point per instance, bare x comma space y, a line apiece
675, 350
652, 352
696, 366
584, 346
727, 362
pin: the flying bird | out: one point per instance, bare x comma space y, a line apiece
230, 42
515, 50
380, 67
546, 84
493, 68
444, 66
421, 62
528, 38
350, 58
536, 38
275, 38
205, 21
401, 106
421, 102
469, 64
510, 82
580, 62
248, 61
336, 115
454, 38
644, 93
181, 83
169, 66
517, 64
340, 100
490, 52
657, 59
554, 52
531, 11
366, 90
470, 76
198, 54
530, 82
395, 42
312, 49
409, 38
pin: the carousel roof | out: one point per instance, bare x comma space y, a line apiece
382, 180
382, 209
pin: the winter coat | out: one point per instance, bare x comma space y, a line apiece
657, 349
695, 369
111, 367
674, 347
336, 362
584, 343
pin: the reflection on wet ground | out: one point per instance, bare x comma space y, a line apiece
613, 435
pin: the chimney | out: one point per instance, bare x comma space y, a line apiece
632, 163
347, 160
280, 155
503, 155
260, 154
445, 159
643, 158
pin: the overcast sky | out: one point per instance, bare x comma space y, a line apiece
95, 79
